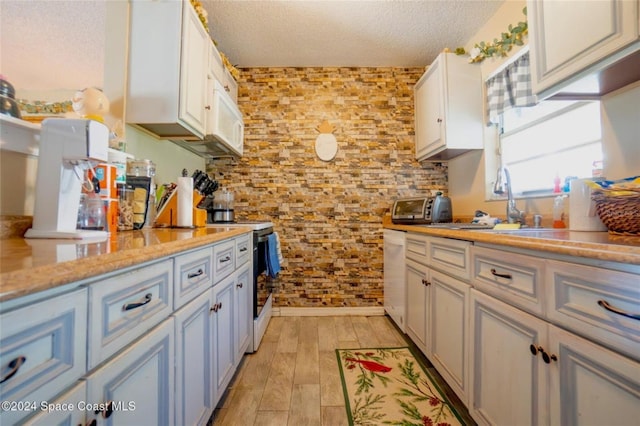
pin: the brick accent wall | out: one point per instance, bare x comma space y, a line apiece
328, 214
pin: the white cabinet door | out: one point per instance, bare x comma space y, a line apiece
448, 330
561, 51
590, 384
136, 387
417, 302
223, 333
448, 109
195, 389
194, 64
429, 110
167, 69
243, 310
508, 384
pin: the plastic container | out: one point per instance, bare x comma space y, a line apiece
125, 209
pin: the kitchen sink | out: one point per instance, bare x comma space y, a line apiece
531, 232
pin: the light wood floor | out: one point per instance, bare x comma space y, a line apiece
293, 379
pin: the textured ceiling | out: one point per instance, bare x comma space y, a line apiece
48, 44
59, 44
343, 33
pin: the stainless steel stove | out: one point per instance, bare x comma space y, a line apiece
262, 297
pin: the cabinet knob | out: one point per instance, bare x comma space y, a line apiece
547, 358
439, 120
226, 88
239, 285
535, 349
207, 107
108, 410
425, 282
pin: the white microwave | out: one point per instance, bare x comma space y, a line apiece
224, 123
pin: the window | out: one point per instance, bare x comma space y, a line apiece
550, 141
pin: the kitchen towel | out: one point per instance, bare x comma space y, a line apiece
185, 201
272, 261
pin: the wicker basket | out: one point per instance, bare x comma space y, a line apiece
619, 213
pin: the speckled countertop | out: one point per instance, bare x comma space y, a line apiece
31, 265
595, 245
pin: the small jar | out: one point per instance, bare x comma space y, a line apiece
141, 168
93, 213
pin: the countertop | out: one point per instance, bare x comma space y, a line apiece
600, 246
32, 265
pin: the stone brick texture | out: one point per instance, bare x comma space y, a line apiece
328, 214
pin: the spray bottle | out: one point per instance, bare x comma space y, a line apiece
558, 212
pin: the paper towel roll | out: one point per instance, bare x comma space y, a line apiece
185, 201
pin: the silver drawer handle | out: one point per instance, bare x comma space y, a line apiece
14, 365
226, 259
195, 274
618, 311
144, 301
497, 274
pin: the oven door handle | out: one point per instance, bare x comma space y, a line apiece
263, 238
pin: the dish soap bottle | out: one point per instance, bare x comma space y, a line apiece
558, 212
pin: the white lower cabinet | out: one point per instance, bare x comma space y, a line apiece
223, 333
437, 317
590, 384
195, 391
243, 310
417, 302
507, 383
526, 371
136, 387
448, 324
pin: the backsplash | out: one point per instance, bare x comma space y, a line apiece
328, 214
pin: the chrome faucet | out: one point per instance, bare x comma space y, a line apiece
503, 179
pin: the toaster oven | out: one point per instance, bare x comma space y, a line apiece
422, 210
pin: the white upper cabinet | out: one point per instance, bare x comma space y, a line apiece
586, 47
168, 64
448, 109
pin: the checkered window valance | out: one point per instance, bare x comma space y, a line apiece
510, 88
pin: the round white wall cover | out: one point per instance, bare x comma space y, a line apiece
326, 146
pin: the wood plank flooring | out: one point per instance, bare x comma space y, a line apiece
293, 379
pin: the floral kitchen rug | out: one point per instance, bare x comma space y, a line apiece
390, 387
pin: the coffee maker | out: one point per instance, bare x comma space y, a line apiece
68, 147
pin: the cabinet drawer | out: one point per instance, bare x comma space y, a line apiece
223, 259
125, 306
450, 257
244, 248
513, 278
577, 296
44, 346
193, 274
417, 247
